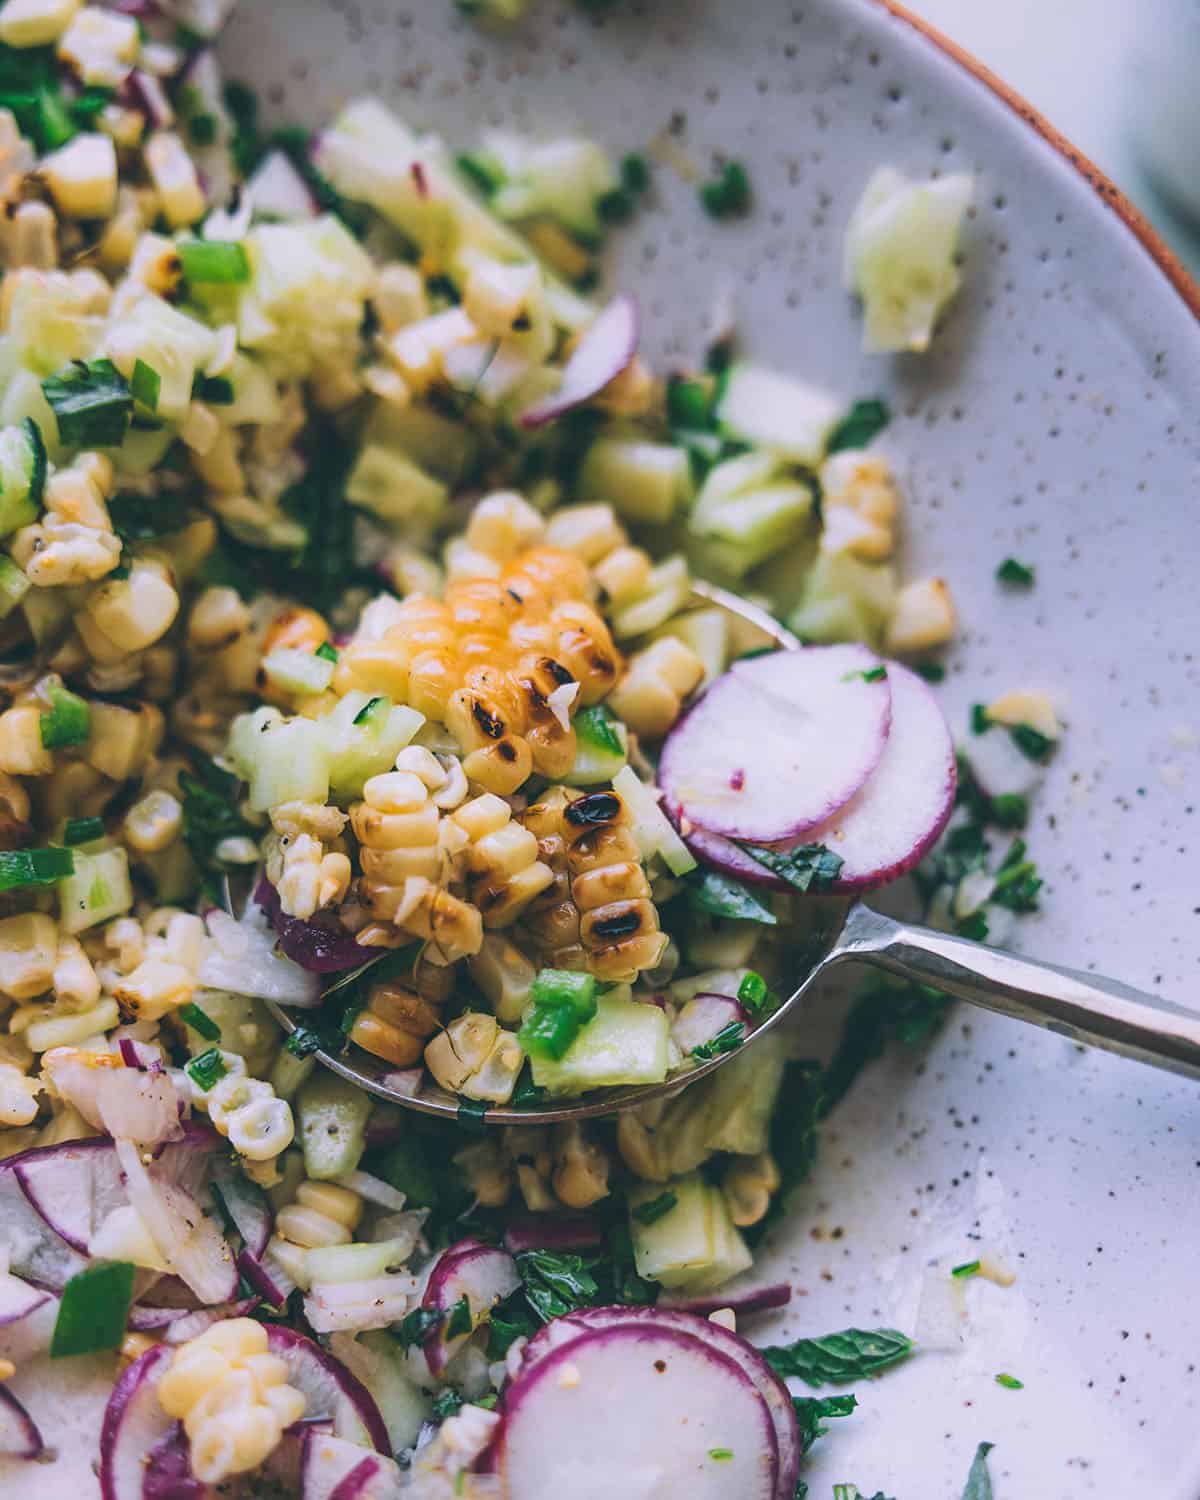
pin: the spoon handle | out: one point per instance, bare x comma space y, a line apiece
1084, 1007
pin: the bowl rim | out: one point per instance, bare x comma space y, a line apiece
1130, 216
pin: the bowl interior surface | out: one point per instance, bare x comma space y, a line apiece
1055, 421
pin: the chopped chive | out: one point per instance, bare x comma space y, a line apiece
367, 710
721, 1455
1031, 742
207, 1069
214, 261
482, 172
968, 1268
1010, 1382
82, 831
753, 991
870, 674
864, 420
689, 403
728, 194
94, 1310
1010, 810
202, 129
145, 385
200, 1022
1018, 574
728, 1039
25, 867
615, 207
653, 1210
414, 1326
974, 927
326, 652
980, 723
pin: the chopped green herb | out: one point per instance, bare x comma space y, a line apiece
811, 1411
368, 708
635, 172
1031, 742
217, 390
561, 1003
142, 518
448, 1403
689, 404
1018, 574
1017, 883
653, 1210
1010, 810
979, 1481
488, 1403
458, 1320
980, 723
482, 171
615, 206
472, 1115
202, 129
210, 812
200, 1022
416, 1326
555, 1283
838, 1357
38, 464
82, 831
968, 1268
25, 867
68, 721
931, 671
94, 1310
753, 992
974, 926
91, 402
527, 1094
720, 1455
327, 652
207, 1069
728, 194
728, 1039
214, 261
864, 420
869, 674
302, 1042
722, 896
145, 384
508, 1323
1010, 1382
807, 867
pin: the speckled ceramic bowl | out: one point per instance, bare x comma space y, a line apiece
1056, 419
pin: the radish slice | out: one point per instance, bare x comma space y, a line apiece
637, 1409
481, 1274
743, 1300
246, 1204
604, 349
190, 1324
146, 1318
74, 1186
267, 1277
702, 1018
278, 191
169, 1469
35, 1252
901, 811
730, 858
329, 1389
19, 1437
333, 1469
551, 1232
18, 1299
778, 743
134, 1425
769, 1386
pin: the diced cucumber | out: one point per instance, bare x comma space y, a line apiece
625, 1043
340, 1263
667, 590
731, 1255
97, 890
360, 750
393, 487
23, 397
750, 527
244, 733
290, 1072
378, 1361
845, 600
22, 475
777, 412
736, 476
644, 481
704, 631
742, 1101
289, 762
13, 586
332, 1124
601, 747
443, 447
651, 827
560, 179
713, 944
295, 671
680, 1244
245, 1026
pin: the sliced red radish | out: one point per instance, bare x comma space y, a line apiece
134, 1425
333, 1469
329, 1389
191, 1324
890, 825
19, 1436
744, 1300
246, 1204
278, 191
18, 1299
729, 858
478, 1272
637, 1408
148, 95
731, 1345
778, 743
168, 1473
73, 1186
604, 349
552, 1231
379, 1362
267, 1277
35, 1252
702, 1018
145, 1317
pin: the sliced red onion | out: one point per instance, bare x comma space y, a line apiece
147, 95
320, 950
420, 181
267, 1277
329, 1389
180, 1330
552, 1231
277, 191
605, 348
19, 1436
168, 1474
142, 1056
146, 1319
187, 1238
470, 1269
18, 1299
246, 1204
374, 1190
744, 1300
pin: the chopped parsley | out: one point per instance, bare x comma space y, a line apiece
1010, 810
447, 1403
302, 1042
722, 896
416, 1326
1031, 742
728, 1039
864, 420
651, 1211
1017, 574
327, 652
869, 674
210, 812
141, 518
838, 1357
555, 1283
931, 671
91, 402
980, 723
809, 867
811, 1411
727, 195
635, 172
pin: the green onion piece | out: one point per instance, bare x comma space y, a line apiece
753, 991
25, 867
223, 261
202, 129
326, 652
1010, 810
1031, 742
458, 1320
974, 927
302, 1041
1010, 1382
92, 403
82, 831
931, 671
871, 674
1020, 575
367, 710
53, 125
728, 194
207, 1069
597, 724
200, 1021
217, 390
145, 384
94, 1310
980, 723
68, 720
635, 172
864, 420
482, 172
472, 1114
615, 207
653, 1210
728, 1039
689, 403
968, 1268
720, 1455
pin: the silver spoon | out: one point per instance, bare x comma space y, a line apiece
1085, 1008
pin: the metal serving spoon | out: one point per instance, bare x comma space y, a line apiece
1083, 1007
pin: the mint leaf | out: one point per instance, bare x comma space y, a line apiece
722, 896
979, 1481
838, 1357
809, 867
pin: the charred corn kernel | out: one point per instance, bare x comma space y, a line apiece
845, 531
322, 1215
505, 976
503, 525
399, 296
591, 532
488, 1174
135, 612
21, 749
43, 1029
173, 174
123, 740
296, 628
306, 875
924, 616
28, 950
75, 980
394, 1025
1026, 707
650, 696
133, 1346
18, 1096
100, 46
501, 857
31, 237
580, 1167
34, 23
82, 176
153, 822
452, 927
747, 1185
496, 296
496, 1077
462, 1049
155, 987
862, 482
314, 818
396, 825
